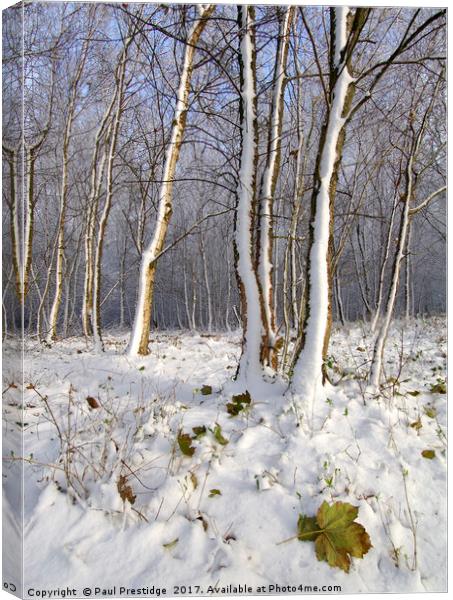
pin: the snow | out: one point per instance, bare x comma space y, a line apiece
270, 471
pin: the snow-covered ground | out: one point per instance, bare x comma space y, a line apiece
109, 426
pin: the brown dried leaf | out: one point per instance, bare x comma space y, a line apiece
92, 402
125, 490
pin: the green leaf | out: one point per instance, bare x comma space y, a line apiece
199, 431
440, 387
218, 435
416, 424
307, 529
214, 492
414, 393
430, 411
238, 403
337, 537
428, 454
171, 544
233, 409
244, 398
206, 390
185, 444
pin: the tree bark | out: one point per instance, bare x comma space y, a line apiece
253, 316
138, 343
268, 185
309, 370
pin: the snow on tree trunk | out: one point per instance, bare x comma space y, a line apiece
138, 343
252, 311
268, 184
308, 368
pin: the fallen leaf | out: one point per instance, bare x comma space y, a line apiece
428, 454
218, 435
416, 424
185, 444
199, 431
308, 528
125, 490
336, 534
92, 402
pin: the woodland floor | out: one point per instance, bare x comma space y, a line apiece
216, 518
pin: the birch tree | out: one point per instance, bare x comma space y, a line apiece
346, 27
308, 369
67, 137
253, 314
138, 343
414, 145
120, 85
268, 185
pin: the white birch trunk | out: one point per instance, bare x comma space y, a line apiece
249, 369
377, 314
138, 343
379, 345
268, 185
378, 351
97, 175
113, 135
53, 318
308, 369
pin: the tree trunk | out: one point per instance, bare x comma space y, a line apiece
412, 152
383, 268
309, 365
138, 343
253, 315
268, 185
113, 135
53, 319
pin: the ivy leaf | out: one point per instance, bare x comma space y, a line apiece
214, 492
199, 431
341, 537
244, 398
206, 390
238, 403
185, 444
233, 409
307, 529
218, 435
